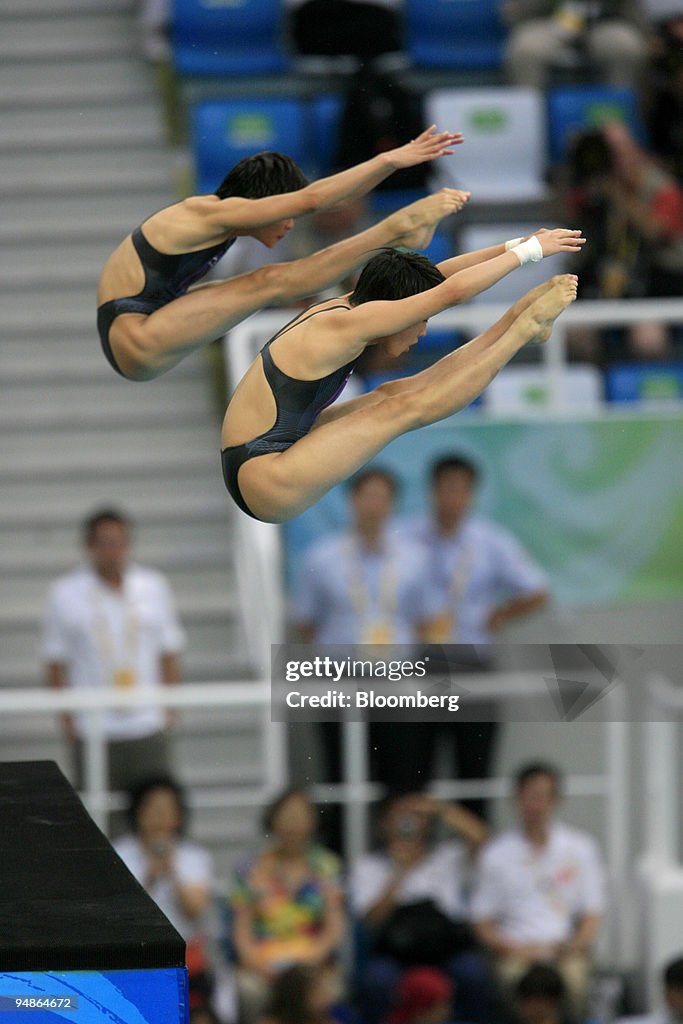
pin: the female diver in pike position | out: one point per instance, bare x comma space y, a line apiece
151, 309
285, 444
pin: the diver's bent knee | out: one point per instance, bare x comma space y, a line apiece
135, 353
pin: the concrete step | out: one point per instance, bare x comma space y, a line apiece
189, 451
168, 474
108, 231
118, 80
51, 405
53, 550
48, 747
48, 309
23, 278
76, 356
28, 9
190, 584
204, 610
56, 169
223, 634
32, 263
236, 744
19, 562
127, 210
80, 37
37, 132
32, 181
35, 505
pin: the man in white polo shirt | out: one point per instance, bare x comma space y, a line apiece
111, 623
539, 894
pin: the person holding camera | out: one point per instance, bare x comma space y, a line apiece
176, 872
409, 897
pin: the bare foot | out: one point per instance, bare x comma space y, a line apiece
417, 223
545, 309
531, 296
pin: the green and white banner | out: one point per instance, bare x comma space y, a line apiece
598, 502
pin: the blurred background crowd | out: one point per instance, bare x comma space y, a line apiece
515, 522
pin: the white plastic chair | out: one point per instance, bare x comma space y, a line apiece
504, 153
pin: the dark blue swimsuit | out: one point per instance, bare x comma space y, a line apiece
167, 277
298, 403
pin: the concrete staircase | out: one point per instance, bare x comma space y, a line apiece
84, 160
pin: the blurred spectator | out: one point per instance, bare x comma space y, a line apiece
424, 996
672, 1012
539, 895
177, 873
484, 580
665, 114
365, 585
287, 903
545, 34
484, 576
112, 623
304, 994
633, 209
360, 28
540, 996
410, 898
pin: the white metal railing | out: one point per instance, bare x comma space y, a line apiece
662, 716
95, 702
245, 340
355, 793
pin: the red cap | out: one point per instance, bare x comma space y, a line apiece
420, 989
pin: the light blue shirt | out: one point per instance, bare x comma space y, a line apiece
474, 570
343, 588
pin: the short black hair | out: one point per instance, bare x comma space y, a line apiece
272, 810
391, 274
673, 974
541, 981
374, 473
104, 515
139, 793
260, 175
528, 771
452, 464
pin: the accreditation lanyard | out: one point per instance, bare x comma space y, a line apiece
117, 660
376, 620
443, 628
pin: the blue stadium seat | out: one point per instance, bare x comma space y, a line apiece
651, 383
225, 131
454, 33
228, 37
440, 248
576, 108
326, 112
387, 200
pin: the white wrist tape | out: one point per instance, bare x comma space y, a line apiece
512, 242
530, 251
